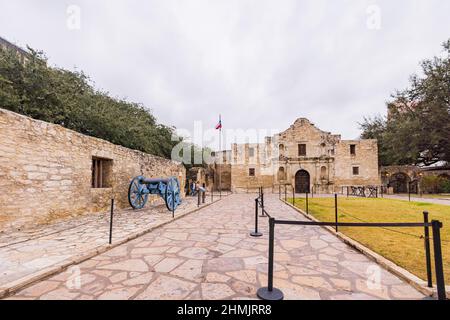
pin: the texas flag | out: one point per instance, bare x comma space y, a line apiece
219, 125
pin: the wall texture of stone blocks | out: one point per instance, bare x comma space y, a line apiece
46, 172
325, 157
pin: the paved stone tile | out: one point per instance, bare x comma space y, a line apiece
24, 253
127, 265
216, 291
168, 264
167, 288
210, 255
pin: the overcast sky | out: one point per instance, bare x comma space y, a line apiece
261, 64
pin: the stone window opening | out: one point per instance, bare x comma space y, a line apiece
101, 173
353, 149
356, 171
302, 150
323, 173
281, 149
251, 152
251, 172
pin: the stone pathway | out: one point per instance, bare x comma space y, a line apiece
210, 255
25, 253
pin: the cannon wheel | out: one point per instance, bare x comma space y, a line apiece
136, 197
172, 194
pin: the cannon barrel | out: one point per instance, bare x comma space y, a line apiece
154, 181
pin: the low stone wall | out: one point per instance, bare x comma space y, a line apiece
46, 172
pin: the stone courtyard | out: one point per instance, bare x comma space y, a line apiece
33, 252
209, 254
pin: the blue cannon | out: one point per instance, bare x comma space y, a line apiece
141, 187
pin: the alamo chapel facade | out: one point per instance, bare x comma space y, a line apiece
304, 157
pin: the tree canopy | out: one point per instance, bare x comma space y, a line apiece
417, 128
67, 98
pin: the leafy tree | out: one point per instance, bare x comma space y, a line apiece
417, 129
67, 98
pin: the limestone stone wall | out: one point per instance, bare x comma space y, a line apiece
282, 159
251, 156
220, 171
46, 172
365, 158
222, 177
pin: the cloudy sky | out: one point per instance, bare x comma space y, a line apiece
261, 64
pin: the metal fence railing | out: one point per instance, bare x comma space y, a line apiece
272, 293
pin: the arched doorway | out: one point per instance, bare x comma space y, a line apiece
302, 182
399, 181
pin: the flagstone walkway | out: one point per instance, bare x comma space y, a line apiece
24, 254
210, 255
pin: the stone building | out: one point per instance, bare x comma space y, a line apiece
199, 175
221, 171
48, 172
408, 178
304, 157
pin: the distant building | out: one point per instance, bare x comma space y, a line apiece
304, 157
400, 107
5, 44
408, 178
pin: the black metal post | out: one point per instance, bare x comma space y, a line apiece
285, 192
279, 191
203, 196
198, 198
347, 191
307, 204
271, 253
262, 203
173, 206
409, 191
269, 292
382, 192
439, 269
256, 233
427, 250
336, 210
293, 196
111, 221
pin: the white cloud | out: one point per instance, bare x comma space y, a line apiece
262, 64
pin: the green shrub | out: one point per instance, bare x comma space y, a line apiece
446, 186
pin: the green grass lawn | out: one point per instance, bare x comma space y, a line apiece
405, 250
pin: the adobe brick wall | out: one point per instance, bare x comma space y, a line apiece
46, 172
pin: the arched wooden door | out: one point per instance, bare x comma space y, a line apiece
302, 182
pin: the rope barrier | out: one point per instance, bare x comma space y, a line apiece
365, 221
